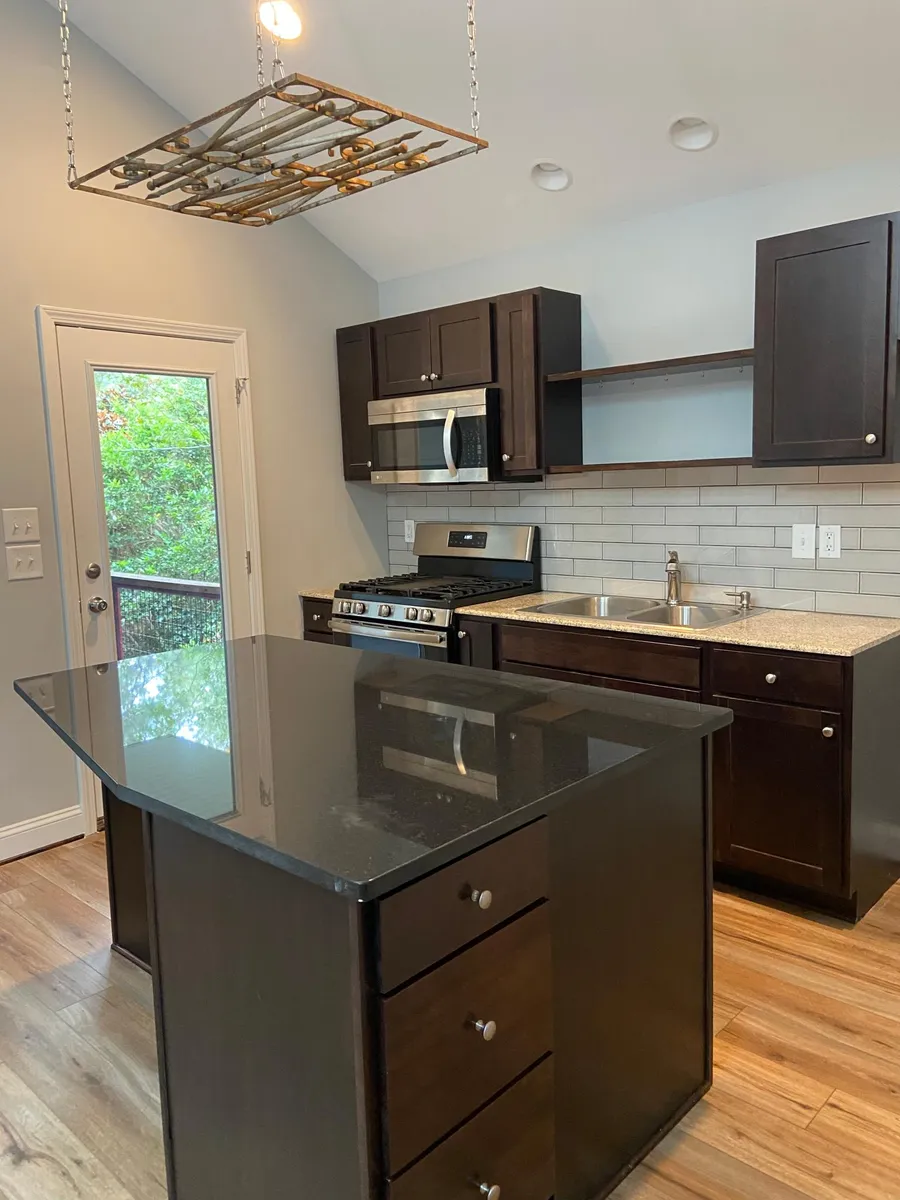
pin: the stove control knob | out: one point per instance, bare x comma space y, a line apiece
386, 610
346, 606
412, 614
426, 614
359, 608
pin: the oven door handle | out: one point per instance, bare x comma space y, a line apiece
448, 442
420, 637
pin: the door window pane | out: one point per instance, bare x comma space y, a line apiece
160, 498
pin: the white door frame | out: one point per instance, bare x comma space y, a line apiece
49, 319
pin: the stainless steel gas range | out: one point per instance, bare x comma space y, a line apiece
459, 564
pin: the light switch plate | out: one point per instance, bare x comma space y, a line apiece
803, 541
24, 562
20, 525
829, 541
409, 532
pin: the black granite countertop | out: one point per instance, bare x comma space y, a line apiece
355, 770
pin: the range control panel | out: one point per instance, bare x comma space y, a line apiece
402, 612
467, 539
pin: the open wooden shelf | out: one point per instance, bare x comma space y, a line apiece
663, 366
633, 466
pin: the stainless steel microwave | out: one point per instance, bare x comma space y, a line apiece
441, 437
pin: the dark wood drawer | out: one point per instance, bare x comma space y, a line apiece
316, 615
648, 660
603, 681
438, 1067
781, 678
510, 1145
435, 916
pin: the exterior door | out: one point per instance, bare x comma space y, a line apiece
160, 491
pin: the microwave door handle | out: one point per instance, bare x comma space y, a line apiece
457, 745
448, 442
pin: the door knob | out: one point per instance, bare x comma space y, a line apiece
871, 439
97, 604
92, 570
828, 731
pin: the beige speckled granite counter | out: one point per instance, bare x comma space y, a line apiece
769, 629
322, 594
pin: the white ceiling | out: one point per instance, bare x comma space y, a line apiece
795, 86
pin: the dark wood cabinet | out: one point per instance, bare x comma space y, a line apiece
316, 616
778, 793
356, 381
477, 645
510, 342
462, 348
404, 355
825, 374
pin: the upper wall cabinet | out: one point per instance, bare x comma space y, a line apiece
825, 378
509, 342
431, 351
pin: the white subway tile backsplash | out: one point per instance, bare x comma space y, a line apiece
667, 495
705, 515
861, 517
700, 476
738, 535
597, 533
776, 475
818, 581
744, 494
636, 477
878, 539
673, 535
597, 497
731, 526
780, 515
858, 605
820, 493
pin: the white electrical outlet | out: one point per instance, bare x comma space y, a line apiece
409, 532
829, 541
24, 562
803, 541
20, 525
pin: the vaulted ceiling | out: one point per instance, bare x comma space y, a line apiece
794, 85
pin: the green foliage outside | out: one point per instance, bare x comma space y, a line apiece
177, 695
158, 475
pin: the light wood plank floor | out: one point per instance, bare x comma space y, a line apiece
806, 1100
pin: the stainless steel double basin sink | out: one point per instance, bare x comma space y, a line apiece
646, 612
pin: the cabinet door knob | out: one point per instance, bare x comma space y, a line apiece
433, 376
506, 458
871, 439
369, 464
771, 677
828, 731
487, 1029
424, 378
484, 899
317, 616
490, 1191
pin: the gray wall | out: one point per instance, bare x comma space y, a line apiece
287, 286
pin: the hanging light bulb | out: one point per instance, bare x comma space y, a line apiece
281, 19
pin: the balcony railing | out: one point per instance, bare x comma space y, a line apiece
154, 614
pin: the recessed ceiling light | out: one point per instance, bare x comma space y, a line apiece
550, 176
693, 133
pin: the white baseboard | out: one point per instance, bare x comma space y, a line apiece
37, 832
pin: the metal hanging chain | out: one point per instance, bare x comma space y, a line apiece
473, 67
260, 65
67, 87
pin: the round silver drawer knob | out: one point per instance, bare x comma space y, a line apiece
490, 1191
433, 375
369, 464
871, 439
828, 731
487, 1029
424, 378
317, 616
484, 899
771, 677
506, 458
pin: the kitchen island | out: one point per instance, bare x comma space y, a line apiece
416, 930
